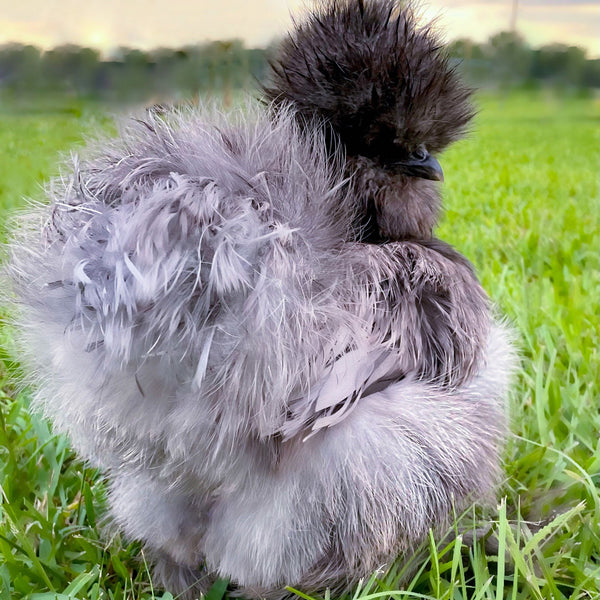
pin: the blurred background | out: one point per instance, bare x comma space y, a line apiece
167, 50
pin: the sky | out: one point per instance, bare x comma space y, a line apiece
107, 24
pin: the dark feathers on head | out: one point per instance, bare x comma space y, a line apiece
384, 88
383, 83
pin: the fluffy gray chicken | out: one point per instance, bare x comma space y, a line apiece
246, 323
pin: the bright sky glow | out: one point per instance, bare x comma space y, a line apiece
107, 24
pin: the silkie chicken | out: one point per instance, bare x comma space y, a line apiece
247, 324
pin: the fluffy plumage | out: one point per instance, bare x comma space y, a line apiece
274, 400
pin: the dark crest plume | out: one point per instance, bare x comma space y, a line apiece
383, 83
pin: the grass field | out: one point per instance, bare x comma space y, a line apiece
522, 204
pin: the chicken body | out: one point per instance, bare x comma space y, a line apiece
274, 399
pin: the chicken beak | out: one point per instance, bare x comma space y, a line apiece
425, 168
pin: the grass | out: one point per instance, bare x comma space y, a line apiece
522, 204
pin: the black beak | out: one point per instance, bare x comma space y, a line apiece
425, 167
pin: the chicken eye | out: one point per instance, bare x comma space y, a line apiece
420, 153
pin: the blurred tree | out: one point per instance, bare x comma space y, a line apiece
559, 63
510, 57
591, 74
70, 69
470, 59
20, 67
133, 79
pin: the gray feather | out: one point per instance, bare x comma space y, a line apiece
184, 311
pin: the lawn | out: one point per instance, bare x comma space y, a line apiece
522, 204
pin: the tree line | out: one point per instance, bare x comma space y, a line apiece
222, 67
507, 59
130, 74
